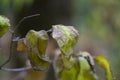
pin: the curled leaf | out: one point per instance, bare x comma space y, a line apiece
86, 67
4, 25
31, 39
66, 37
89, 59
42, 42
103, 62
37, 43
36, 62
85, 70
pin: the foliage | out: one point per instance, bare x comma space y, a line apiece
102, 61
37, 43
67, 64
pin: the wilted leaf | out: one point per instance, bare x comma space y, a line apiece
103, 62
36, 62
21, 45
4, 25
66, 37
37, 43
37, 40
42, 42
31, 39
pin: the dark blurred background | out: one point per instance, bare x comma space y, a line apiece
98, 22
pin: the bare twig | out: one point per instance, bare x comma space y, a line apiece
12, 40
16, 69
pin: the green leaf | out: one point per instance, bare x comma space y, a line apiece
63, 62
36, 62
86, 72
103, 63
66, 37
37, 43
67, 63
31, 39
42, 42
75, 67
71, 73
4, 25
37, 40
66, 68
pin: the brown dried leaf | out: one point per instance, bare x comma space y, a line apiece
21, 45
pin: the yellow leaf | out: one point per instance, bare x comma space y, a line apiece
103, 62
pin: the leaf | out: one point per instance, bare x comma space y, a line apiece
75, 67
37, 43
36, 62
66, 62
86, 72
37, 40
62, 62
42, 42
21, 45
31, 39
103, 62
66, 37
4, 25
66, 71
89, 59
71, 74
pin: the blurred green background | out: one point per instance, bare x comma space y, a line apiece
98, 22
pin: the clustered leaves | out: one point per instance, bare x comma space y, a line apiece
67, 64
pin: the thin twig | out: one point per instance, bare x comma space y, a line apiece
24, 18
16, 69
